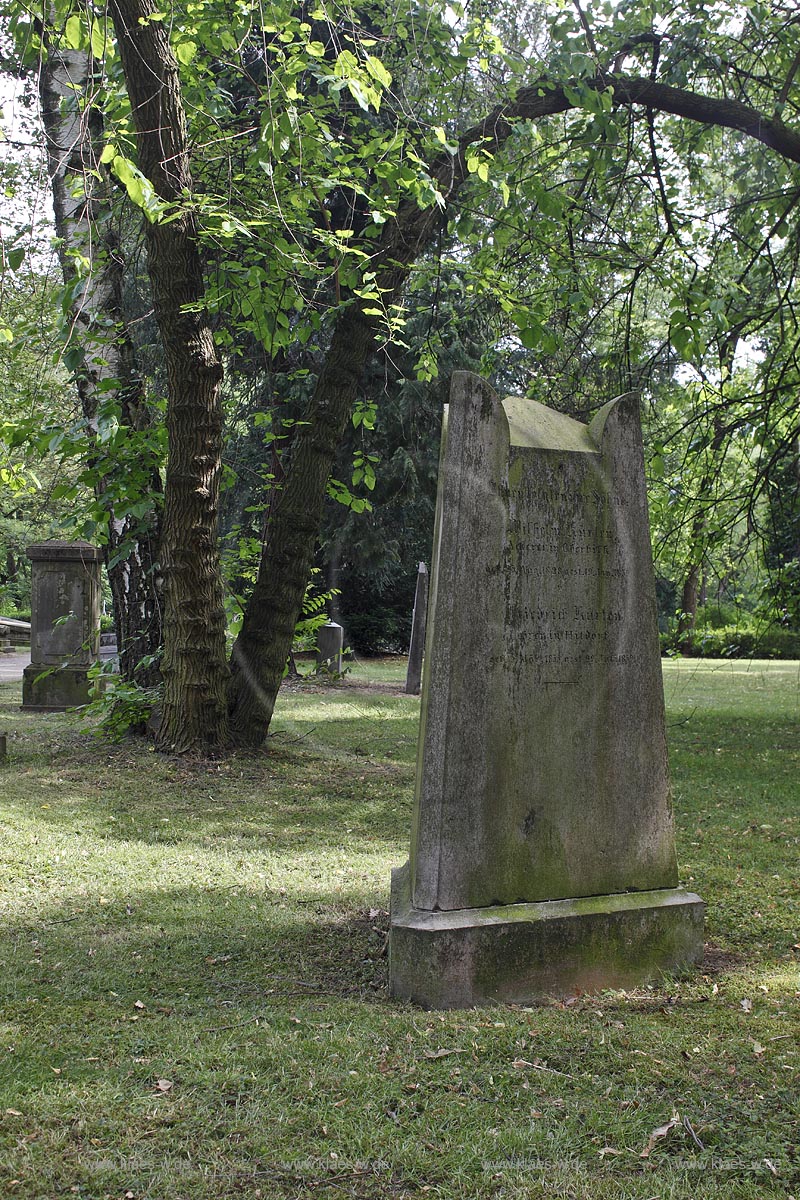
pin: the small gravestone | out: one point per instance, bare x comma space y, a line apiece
418, 622
65, 624
108, 645
542, 852
329, 647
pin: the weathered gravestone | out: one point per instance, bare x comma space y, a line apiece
418, 624
65, 624
542, 855
330, 642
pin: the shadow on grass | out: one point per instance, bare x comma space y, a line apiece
228, 947
295, 796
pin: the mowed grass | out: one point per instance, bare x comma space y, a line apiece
193, 975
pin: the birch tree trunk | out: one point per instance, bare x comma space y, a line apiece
107, 376
194, 667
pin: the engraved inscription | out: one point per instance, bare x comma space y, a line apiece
560, 540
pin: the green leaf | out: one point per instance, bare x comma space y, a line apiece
98, 40
357, 92
73, 32
185, 52
378, 71
109, 153
15, 258
530, 336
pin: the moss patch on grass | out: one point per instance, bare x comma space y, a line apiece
193, 975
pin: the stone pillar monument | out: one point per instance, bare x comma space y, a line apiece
542, 849
65, 624
329, 647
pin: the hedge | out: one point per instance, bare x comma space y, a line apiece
735, 642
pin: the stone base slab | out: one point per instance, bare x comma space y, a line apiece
522, 952
55, 690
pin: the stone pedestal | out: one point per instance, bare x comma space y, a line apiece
65, 624
542, 848
514, 953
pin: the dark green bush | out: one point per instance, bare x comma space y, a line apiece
17, 615
382, 631
739, 642
721, 615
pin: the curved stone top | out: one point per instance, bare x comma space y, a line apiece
540, 428
58, 550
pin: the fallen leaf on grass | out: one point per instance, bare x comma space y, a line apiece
164, 1085
758, 1049
609, 1150
658, 1134
747, 1005
138, 1004
13, 1112
441, 1053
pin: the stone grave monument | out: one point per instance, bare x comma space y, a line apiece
542, 849
418, 623
65, 624
330, 643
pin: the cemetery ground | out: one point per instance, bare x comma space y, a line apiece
193, 974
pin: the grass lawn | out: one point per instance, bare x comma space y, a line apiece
193, 975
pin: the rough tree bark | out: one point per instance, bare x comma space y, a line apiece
262, 647
194, 667
108, 370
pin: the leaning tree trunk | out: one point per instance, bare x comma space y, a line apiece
194, 667
687, 617
262, 648
108, 376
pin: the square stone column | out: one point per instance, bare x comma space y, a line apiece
65, 624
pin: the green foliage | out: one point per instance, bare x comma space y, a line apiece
313, 614
748, 641
374, 559
118, 707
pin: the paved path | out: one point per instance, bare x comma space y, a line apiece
12, 666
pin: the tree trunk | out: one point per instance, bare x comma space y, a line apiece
687, 619
194, 667
107, 377
265, 639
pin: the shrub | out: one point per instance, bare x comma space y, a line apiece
736, 641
